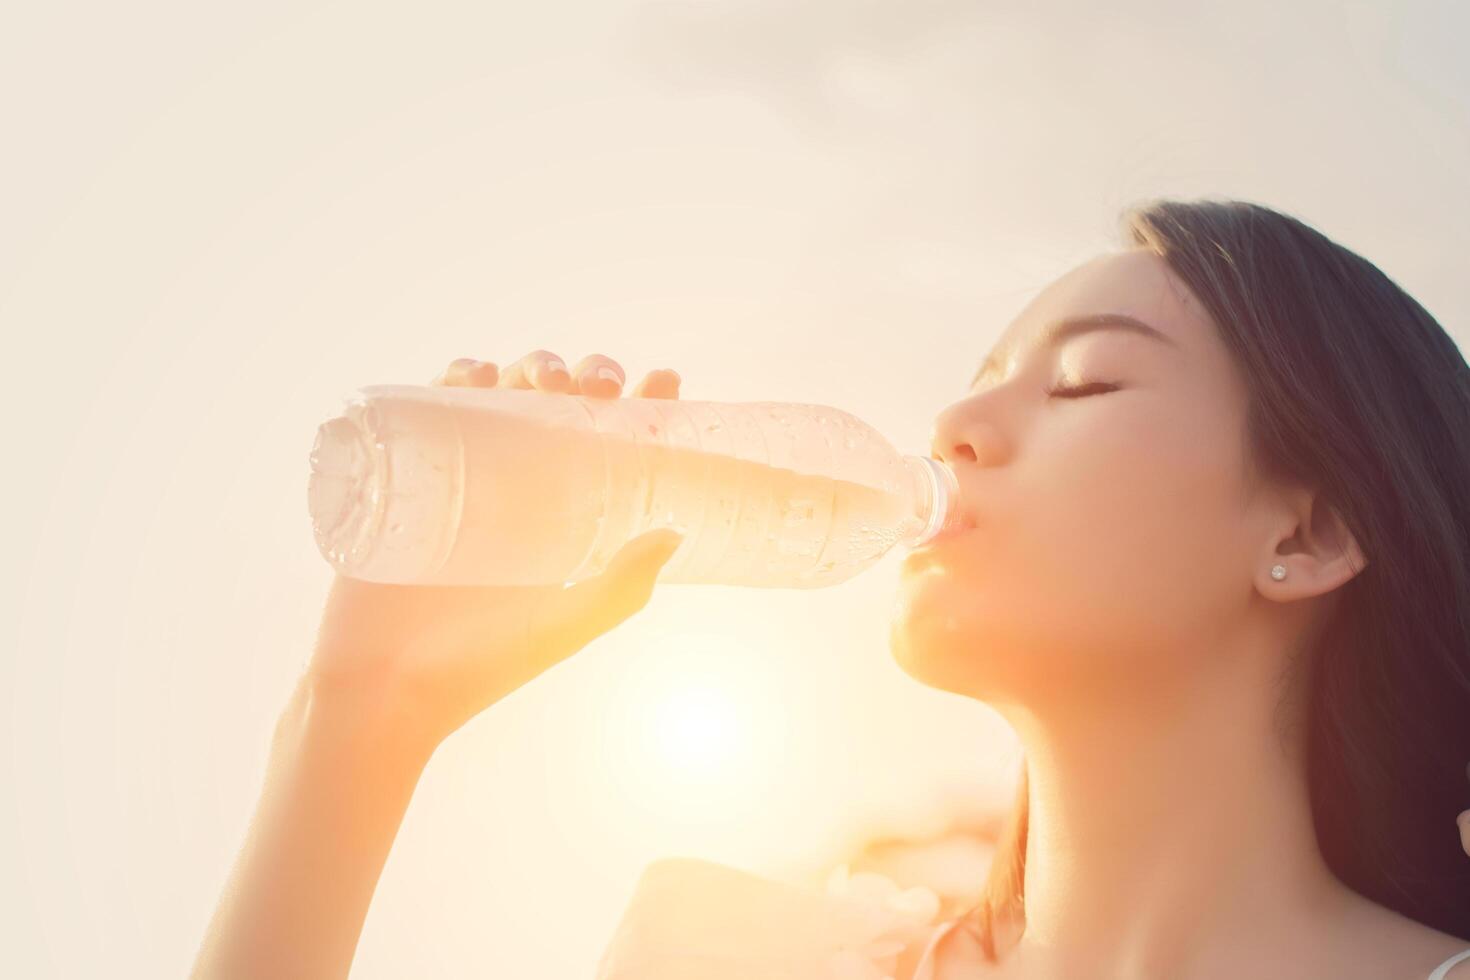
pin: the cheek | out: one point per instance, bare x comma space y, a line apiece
1138, 528
1108, 542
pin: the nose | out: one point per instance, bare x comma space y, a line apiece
963, 433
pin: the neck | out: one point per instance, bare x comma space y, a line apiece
1165, 839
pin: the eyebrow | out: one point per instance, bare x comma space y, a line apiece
1057, 331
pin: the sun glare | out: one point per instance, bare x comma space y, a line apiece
698, 709
689, 734
697, 727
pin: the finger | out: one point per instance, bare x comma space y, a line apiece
584, 611
540, 369
469, 373
1464, 821
599, 376
659, 383
455, 368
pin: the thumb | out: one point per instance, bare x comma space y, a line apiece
631, 572
593, 606
657, 546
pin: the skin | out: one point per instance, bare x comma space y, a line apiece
1114, 603
395, 670
1170, 834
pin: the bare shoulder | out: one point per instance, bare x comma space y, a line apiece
1435, 948
1405, 947
1439, 947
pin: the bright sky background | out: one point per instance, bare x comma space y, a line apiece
214, 222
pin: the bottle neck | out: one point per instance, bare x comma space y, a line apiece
936, 498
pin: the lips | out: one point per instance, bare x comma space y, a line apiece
932, 552
954, 530
961, 526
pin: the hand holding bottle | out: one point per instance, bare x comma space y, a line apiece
433, 657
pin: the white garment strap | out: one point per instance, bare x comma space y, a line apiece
1443, 968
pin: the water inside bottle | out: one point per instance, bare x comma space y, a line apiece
527, 491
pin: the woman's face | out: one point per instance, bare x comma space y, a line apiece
1111, 529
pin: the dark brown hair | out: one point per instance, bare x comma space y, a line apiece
1356, 391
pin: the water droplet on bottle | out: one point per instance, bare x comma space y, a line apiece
798, 512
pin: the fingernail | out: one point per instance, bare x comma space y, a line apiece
555, 366
608, 374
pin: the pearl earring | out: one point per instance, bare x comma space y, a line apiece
1278, 572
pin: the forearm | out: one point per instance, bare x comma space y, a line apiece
339, 779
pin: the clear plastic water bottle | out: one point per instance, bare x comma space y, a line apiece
446, 485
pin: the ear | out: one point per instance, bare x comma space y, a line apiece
1316, 548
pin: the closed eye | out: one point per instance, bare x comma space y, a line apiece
1082, 391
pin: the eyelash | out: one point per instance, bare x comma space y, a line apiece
1063, 391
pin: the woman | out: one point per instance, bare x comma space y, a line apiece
1218, 580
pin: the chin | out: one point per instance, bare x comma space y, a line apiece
932, 636
944, 635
